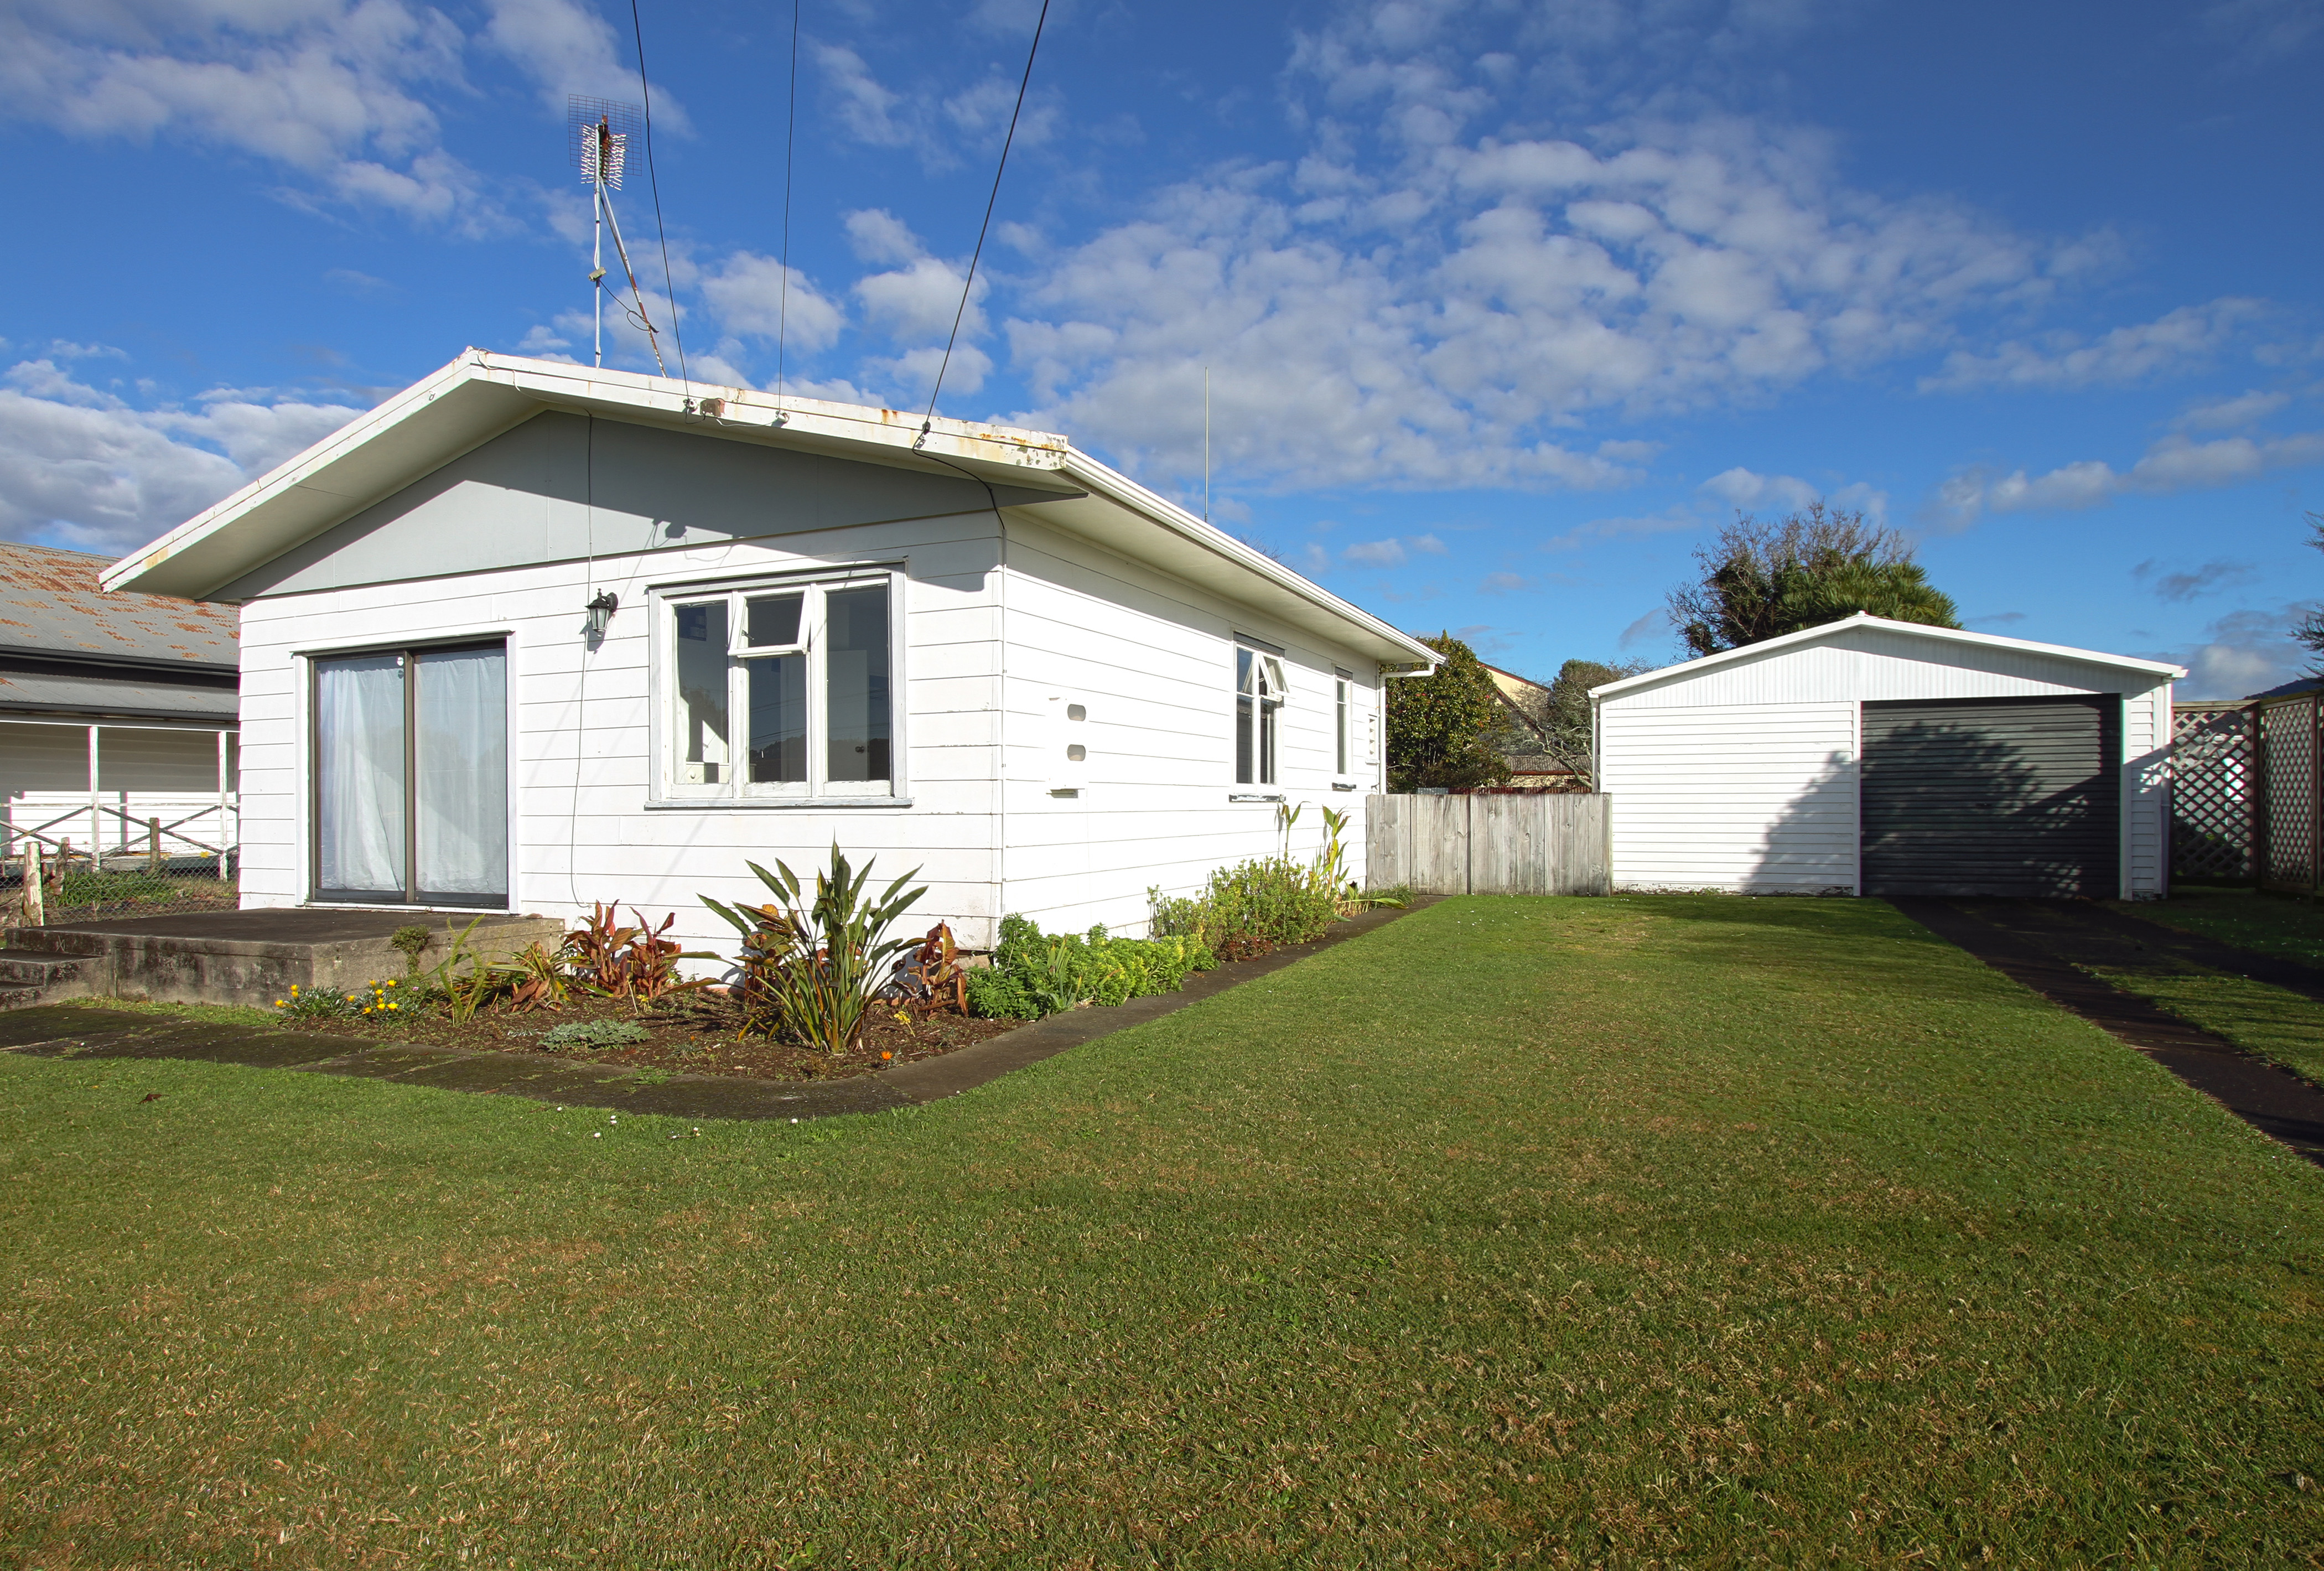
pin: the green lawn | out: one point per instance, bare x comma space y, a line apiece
1673, 1232
2272, 1023
2272, 924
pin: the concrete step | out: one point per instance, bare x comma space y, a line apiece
37, 967
30, 976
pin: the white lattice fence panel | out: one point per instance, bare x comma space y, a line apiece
2287, 739
2211, 789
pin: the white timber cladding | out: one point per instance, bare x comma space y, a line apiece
1148, 661
1062, 652
1734, 776
1151, 661
1758, 797
581, 765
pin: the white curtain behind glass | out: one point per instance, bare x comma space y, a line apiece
359, 772
462, 748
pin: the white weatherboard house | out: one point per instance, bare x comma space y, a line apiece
1886, 758
530, 636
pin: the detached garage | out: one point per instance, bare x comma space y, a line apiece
1886, 758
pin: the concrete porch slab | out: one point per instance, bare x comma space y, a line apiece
256, 956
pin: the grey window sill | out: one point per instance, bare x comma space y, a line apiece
1254, 796
762, 804
1345, 785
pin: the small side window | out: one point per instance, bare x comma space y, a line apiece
1259, 692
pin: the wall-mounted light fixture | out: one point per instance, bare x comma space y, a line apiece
601, 612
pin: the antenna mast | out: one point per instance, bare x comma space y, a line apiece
598, 130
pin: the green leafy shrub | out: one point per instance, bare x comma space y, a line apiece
593, 1033
1251, 908
1034, 974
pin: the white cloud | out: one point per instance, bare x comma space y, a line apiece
1394, 552
936, 127
81, 468
1656, 623
2181, 340
917, 299
2243, 652
1669, 520
746, 294
1432, 296
2174, 463
341, 93
567, 48
1742, 488
2228, 414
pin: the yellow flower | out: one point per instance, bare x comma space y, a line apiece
391, 1006
278, 1004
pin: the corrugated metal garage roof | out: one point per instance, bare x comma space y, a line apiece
49, 601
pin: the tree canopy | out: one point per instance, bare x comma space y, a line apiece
1441, 727
1762, 580
1557, 718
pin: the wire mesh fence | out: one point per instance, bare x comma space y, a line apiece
90, 863
2247, 793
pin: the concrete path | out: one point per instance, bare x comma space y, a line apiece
2045, 945
92, 1031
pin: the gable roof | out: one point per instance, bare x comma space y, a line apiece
479, 396
1953, 636
51, 606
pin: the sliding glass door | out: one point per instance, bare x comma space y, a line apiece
410, 777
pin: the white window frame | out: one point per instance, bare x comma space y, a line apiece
664, 789
1266, 674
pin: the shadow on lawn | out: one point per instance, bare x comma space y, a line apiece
1860, 943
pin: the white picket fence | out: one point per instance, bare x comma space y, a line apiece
1531, 843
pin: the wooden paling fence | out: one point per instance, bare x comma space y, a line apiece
2246, 802
1529, 843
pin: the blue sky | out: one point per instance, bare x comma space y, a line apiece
1506, 307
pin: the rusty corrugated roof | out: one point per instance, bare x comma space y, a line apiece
50, 600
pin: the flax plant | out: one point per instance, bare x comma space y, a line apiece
811, 969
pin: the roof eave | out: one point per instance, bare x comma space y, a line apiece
1125, 492
478, 395
1865, 619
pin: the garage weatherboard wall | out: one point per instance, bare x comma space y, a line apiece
1743, 771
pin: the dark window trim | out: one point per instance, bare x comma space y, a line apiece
410, 895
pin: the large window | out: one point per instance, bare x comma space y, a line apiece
779, 692
1259, 692
410, 777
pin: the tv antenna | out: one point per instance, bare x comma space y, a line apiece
598, 130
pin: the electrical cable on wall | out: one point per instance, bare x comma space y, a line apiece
1006, 143
645, 95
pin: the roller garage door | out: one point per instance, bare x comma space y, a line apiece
2017, 796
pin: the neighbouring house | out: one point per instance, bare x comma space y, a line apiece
530, 636
1532, 767
117, 715
1887, 758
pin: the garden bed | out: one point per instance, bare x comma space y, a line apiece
695, 1036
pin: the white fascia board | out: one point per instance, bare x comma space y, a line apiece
480, 395
1389, 645
1865, 619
